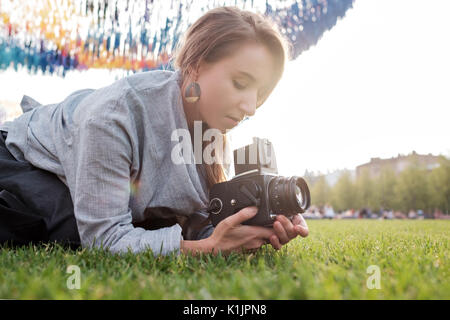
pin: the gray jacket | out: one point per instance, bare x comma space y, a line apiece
112, 148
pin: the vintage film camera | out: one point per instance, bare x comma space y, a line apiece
256, 183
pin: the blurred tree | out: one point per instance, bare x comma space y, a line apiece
321, 192
412, 190
310, 178
343, 192
439, 185
384, 186
364, 190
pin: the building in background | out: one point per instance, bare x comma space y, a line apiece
399, 163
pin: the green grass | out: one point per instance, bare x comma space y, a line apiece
413, 257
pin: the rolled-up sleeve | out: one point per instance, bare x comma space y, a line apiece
102, 191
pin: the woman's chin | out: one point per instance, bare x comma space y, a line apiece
229, 123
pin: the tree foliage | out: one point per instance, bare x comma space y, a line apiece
416, 187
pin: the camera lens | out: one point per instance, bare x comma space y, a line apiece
288, 196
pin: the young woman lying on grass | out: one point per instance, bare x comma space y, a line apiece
96, 169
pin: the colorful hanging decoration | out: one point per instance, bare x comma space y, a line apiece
55, 36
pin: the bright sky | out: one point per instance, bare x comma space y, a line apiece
376, 85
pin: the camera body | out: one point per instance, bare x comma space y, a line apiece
256, 183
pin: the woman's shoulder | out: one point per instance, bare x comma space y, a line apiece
153, 79
142, 81
123, 95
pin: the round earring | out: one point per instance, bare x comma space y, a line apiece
192, 97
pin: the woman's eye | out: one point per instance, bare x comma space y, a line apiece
238, 85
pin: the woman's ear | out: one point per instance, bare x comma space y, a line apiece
193, 72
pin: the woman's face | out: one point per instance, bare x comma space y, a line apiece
232, 88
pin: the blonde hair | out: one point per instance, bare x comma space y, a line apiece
214, 36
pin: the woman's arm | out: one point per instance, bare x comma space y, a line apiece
100, 187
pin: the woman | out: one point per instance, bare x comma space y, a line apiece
109, 150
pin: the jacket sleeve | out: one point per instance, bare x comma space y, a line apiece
102, 191
205, 232
198, 226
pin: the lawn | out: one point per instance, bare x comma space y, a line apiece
409, 259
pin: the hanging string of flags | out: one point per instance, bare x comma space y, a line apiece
55, 36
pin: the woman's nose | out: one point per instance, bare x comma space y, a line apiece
248, 107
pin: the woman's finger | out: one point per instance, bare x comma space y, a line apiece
239, 217
302, 221
275, 242
280, 232
296, 219
255, 245
302, 231
260, 232
302, 227
288, 226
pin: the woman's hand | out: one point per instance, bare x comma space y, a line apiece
286, 230
231, 236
